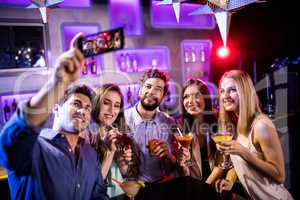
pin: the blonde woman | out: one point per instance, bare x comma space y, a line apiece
256, 151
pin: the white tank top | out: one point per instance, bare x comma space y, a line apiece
258, 186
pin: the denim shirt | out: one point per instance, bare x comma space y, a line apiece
143, 131
42, 166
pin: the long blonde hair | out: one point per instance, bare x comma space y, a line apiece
249, 106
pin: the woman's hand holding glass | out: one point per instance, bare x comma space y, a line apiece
183, 156
126, 156
183, 143
111, 139
219, 138
118, 143
232, 147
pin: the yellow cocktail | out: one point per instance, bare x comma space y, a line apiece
3, 174
222, 138
130, 187
225, 137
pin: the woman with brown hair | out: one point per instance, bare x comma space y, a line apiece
255, 151
199, 119
110, 136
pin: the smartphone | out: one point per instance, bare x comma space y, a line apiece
102, 42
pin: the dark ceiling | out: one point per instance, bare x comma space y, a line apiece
261, 32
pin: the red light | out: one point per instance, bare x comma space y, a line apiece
223, 52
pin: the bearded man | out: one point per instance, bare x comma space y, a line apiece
151, 128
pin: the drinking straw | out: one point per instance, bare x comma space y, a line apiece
179, 131
116, 181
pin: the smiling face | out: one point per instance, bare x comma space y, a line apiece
74, 115
110, 107
193, 101
229, 96
152, 93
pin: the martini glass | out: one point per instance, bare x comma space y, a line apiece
184, 140
130, 186
223, 137
3, 174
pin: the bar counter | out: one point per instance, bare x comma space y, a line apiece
182, 188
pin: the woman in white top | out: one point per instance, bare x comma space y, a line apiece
255, 151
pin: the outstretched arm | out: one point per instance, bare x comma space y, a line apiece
19, 135
66, 71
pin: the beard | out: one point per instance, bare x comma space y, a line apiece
150, 107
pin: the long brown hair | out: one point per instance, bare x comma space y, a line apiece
98, 100
191, 124
120, 123
249, 106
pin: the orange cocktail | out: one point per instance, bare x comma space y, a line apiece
184, 140
152, 144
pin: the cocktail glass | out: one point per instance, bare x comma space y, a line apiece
3, 174
131, 187
152, 144
185, 140
123, 141
223, 137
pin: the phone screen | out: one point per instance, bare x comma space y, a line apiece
102, 42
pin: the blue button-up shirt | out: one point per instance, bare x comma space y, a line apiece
143, 131
42, 166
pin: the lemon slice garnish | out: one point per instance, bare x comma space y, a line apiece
141, 183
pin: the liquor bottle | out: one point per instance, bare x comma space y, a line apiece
122, 63
154, 63
186, 55
134, 95
193, 55
134, 63
14, 105
93, 66
84, 69
202, 54
129, 96
128, 63
6, 110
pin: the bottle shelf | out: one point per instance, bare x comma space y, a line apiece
170, 98
195, 60
9, 104
130, 94
94, 65
139, 60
